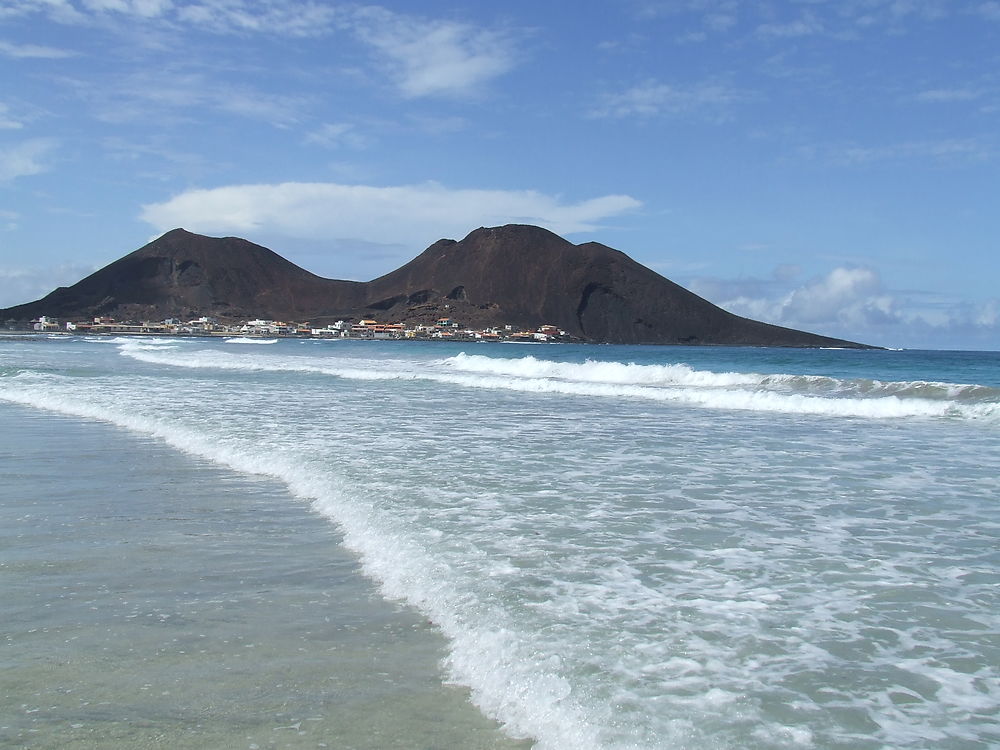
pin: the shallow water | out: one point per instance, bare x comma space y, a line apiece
152, 599
624, 547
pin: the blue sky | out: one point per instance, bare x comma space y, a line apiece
826, 165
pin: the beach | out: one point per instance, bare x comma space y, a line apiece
153, 599
377, 544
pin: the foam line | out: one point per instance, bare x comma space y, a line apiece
677, 384
520, 693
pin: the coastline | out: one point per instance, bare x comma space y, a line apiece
157, 599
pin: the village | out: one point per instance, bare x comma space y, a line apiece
442, 329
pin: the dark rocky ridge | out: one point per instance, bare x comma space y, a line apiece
517, 274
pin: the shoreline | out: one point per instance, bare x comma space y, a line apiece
160, 597
266, 336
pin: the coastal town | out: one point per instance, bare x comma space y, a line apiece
441, 329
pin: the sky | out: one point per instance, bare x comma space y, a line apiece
829, 165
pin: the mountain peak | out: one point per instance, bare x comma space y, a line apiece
514, 233
516, 274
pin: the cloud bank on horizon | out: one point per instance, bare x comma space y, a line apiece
831, 166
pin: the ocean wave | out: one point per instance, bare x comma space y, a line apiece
595, 371
247, 340
678, 384
622, 373
150, 341
496, 663
682, 641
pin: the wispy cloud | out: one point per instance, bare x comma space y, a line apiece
140, 8
410, 215
950, 150
33, 51
184, 95
60, 11
423, 57
653, 98
943, 152
26, 158
337, 135
434, 57
7, 121
295, 19
149, 155
771, 22
935, 96
290, 18
806, 25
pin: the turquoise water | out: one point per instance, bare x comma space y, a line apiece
611, 547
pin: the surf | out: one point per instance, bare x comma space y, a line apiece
678, 384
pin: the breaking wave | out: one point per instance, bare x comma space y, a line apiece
518, 690
678, 383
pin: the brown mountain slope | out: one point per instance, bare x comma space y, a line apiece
526, 275
517, 274
182, 274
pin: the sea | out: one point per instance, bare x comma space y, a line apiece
260, 543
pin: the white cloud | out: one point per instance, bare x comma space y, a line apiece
849, 296
988, 314
844, 300
408, 215
852, 303
25, 159
653, 98
423, 57
26, 51
434, 57
295, 19
289, 18
140, 8
6, 121
60, 11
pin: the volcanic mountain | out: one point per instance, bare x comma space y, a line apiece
515, 274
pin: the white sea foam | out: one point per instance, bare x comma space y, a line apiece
595, 371
108, 340
677, 384
249, 340
622, 373
615, 575
134, 340
517, 691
